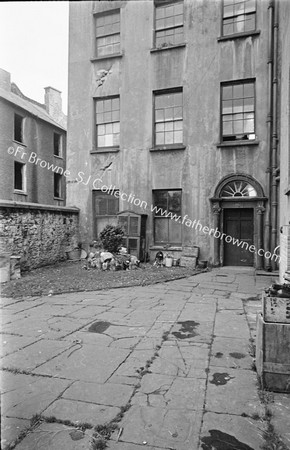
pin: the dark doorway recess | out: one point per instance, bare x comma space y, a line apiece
239, 224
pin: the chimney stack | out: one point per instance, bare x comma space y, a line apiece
5, 80
53, 105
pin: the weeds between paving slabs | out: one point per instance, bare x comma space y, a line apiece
271, 438
102, 433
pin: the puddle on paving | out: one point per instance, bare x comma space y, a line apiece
219, 355
187, 329
99, 327
76, 435
237, 355
220, 379
222, 441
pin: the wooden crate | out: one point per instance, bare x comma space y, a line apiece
276, 309
273, 355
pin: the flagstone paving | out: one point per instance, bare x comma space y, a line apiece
168, 363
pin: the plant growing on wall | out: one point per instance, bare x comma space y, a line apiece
111, 238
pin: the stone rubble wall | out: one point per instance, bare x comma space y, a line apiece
39, 234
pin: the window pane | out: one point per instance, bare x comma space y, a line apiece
249, 123
159, 127
174, 232
238, 91
178, 137
159, 116
169, 138
248, 104
134, 221
250, 6
123, 222
227, 106
168, 126
116, 139
227, 128
174, 201
228, 11
249, 90
160, 139
227, 92
250, 23
101, 141
161, 230
169, 114
178, 125
160, 200
238, 127
238, 105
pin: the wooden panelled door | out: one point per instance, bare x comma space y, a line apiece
238, 223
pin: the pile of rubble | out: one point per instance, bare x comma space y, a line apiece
104, 260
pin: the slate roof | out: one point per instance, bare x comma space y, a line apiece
31, 108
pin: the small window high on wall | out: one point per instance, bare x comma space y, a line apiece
19, 176
18, 128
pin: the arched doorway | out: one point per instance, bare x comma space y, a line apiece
238, 208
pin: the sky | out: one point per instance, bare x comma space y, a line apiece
34, 46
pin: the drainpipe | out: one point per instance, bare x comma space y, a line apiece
267, 262
274, 196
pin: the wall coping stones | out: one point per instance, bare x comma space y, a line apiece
35, 206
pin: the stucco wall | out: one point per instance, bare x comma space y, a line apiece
200, 66
284, 136
40, 235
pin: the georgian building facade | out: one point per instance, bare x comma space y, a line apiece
172, 106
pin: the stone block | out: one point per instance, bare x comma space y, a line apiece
188, 261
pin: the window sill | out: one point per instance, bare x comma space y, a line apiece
113, 55
19, 143
287, 190
237, 143
60, 199
239, 35
18, 192
168, 47
162, 247
58, 156
114, 149
161, 148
